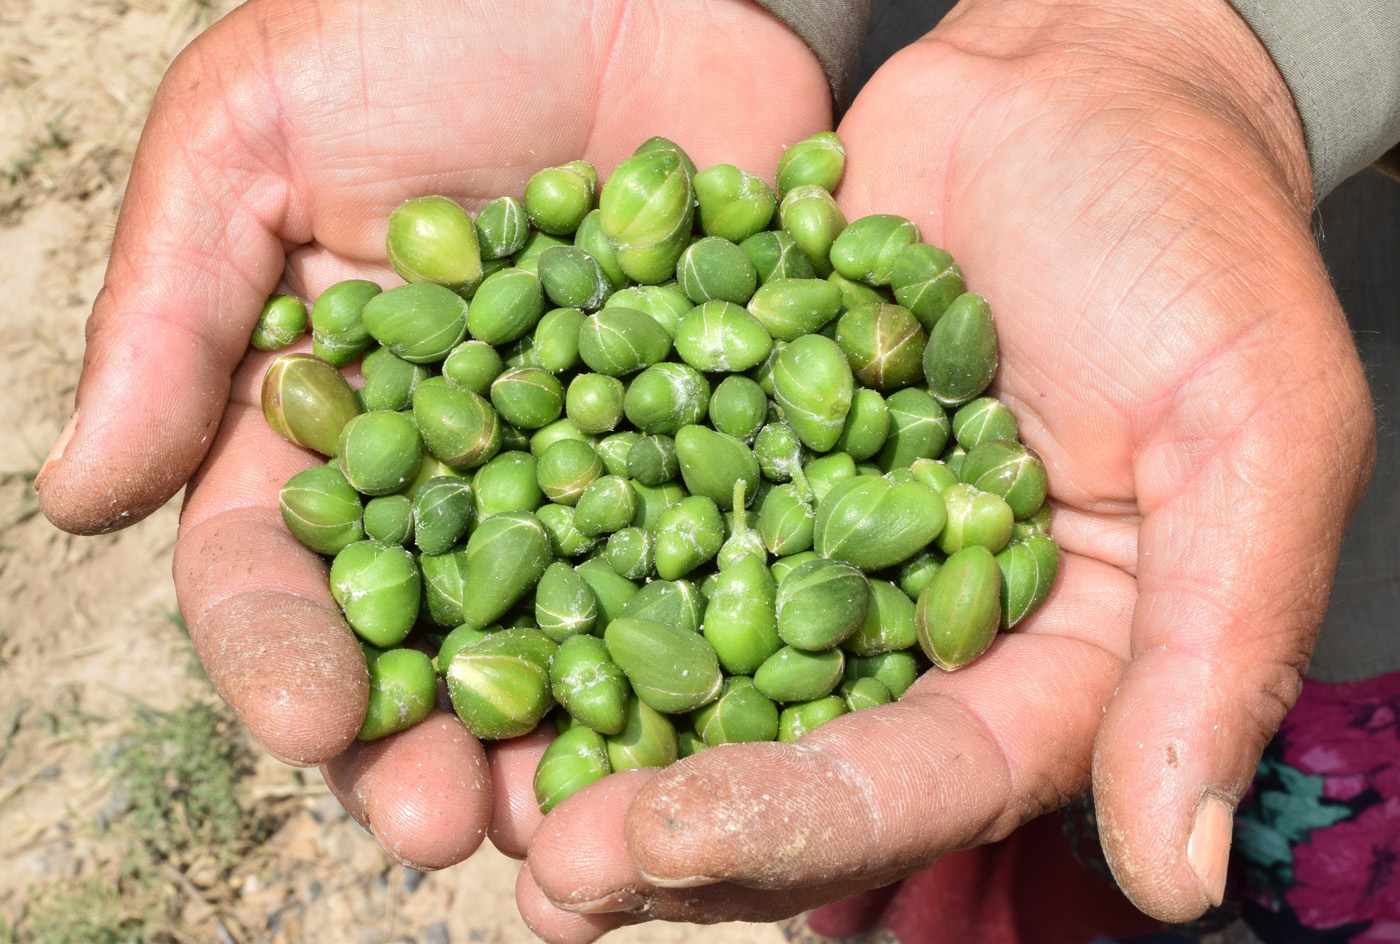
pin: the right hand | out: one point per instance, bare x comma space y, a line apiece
277, 145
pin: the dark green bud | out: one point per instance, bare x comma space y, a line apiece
961, 357
282, 322
444, 580
960, 609
925, 280
867, 426
572, 761
648, 739
982, 419
379, 452
813, 384
573, 279
818, 161
502, 228
715, 269
528, 397
671, 668
792, 307
874, 523
443, 511
566, 469
672, 602
377, 586
1028, 570
620, 341
558, 198
472, 365
589, 684
712, 463
797, 719
919, 429
821, 603
509, 482
688, 533
741, 715
722, 336
652, 460
775, 255
402, 690
738, 407
458, 427
866, 251
565, 540
306, 401
608, 504
733, 204
338, 333
1008, 469
665, 397
793, 674
433, 240
614, 450
505, 557
884, 344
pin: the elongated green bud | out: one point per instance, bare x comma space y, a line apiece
377, 586
670, 668
866, 251
306, 401
720, 336
793, 674
402, 688
797, 719
818, 160
321, 509
792, 307
558, 198
379, 452
821, 603
572, 761
1010, 470
1028, 569
741, 621
741, 714
338, 333
960, 610
433, 240
647, 740
961, 357
646, 209
813, 384
589, 684
506, 556
672, 602
733, 204
502, 227
811, 217
925, 280
884, 345
874, 523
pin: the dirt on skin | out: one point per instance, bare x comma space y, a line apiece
88, 627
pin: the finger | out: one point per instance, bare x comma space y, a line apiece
424, 793
961, 758
517, 813
194, 255
1236, 561
551, 924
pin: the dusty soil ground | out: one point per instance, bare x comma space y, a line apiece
94, 667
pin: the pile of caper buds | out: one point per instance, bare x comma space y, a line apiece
682, 460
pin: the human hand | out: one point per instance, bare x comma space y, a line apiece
1127, 184
277, 146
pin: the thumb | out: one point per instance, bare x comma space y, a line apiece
1245, 499
193, 258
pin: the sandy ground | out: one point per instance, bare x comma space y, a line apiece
87, 625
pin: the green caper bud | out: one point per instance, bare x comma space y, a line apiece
715, 269
793, 674
498, 694
558, 198
608, 504
975, 517
573, 760
775, 255
566, 469
402, 689
741, 621
742, 539
454, 642
673, 602
738, 407
433, 240
391, 384
282, 322
779, 452
856, 294
1010, 470
925, 280
444, 577
742, 714
1028, 570
306, 401
614, 449
611, 590
507, 306
509, 482
573, 279
505, 556
646, 210
660, 143
671, 669
884, 344
420, 323
629, 551
591, 239
589, 684
548, 435
783, 566
665, 397
389, 518
867, 426
915, 573
811, 217
818, 160
961, 357
555, 341
874, 523
866, 251
712, 463
565, 540
888, 624
458, 427
652, 460
1038, 523
528, 397
564, 604
443, 510
501, 228
472, 365
321, 509
653, 500
982, 419
620, 341
379, 451
731, 203
648, 739
792, 307
824, 473
688, 533
377, 586
786, 521
919, 429
594, 402
338, 333
865, 693
722, 336
528, 258
934, 474
960, 610
895, 670
821, 603
813, 384
797, 719
666, 303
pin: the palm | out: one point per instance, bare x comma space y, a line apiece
1171, 348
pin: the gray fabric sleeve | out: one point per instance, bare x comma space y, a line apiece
834, 29
1341, 60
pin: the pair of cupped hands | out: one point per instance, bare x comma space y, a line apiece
1126, 182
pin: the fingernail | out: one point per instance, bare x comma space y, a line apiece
56, 453
626, 899
1208, 849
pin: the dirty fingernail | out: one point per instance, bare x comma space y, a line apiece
1208, 849
626, 899
56, 453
